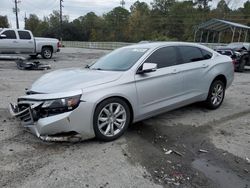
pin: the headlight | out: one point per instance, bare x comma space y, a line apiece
67, 104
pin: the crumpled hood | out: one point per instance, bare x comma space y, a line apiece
72, 79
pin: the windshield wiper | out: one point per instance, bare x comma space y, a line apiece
87, 66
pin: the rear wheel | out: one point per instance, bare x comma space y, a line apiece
216, 95
111, 119
47, 53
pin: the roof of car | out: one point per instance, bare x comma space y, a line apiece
159, 44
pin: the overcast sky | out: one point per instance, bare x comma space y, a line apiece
73, 8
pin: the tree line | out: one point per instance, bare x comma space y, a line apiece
161, 20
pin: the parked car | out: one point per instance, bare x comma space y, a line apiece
240, 53
236, 56
128, 85
14, 41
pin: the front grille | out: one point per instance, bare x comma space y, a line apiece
26, 117
27, 112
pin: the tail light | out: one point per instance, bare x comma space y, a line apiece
59, 44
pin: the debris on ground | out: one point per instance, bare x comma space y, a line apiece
177, 153
203, 151
11, 58
248, 160
168, 152
27, 65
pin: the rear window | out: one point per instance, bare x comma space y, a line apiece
206, 54
190, 54
24, 35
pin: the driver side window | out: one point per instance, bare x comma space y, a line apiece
10, 34
164, 57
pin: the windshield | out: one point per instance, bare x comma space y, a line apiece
119, 60
1, 30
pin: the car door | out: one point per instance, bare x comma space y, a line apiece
26, 42
195, 66
10, 43
162, 88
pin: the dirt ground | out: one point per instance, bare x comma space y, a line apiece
210, 149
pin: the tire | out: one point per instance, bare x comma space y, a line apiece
47, 53
242, 64
111, 119
34, 56
216, 95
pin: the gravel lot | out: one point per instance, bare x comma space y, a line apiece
140, 158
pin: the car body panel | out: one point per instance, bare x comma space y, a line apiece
58, 81
147, 94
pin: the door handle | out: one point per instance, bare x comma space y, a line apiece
30, 42
15, 41
205, 65
175, 71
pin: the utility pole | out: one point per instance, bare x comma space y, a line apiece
16, 10
25, 21
61, 6
122, 3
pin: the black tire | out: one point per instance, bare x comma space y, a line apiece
210, 102
34, 56
242, 64
47, 52
99, 132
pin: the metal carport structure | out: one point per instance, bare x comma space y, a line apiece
217, 27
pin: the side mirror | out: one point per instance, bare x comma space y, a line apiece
147, 67
2, 36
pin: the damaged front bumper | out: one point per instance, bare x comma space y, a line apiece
73, 125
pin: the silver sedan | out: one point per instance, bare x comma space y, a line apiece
128, 85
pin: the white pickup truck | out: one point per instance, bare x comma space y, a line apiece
14, 41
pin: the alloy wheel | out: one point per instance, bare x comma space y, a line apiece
217, 94
112, 119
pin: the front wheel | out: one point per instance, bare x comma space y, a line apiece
111, 119
216, 95
47, 53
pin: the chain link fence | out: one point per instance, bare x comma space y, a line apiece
114, 45
95, 45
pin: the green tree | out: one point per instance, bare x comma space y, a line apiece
222, 7
92, 26
139, 22
181, 20
32, 23
4, 22
203, 4
117, 22
162, 6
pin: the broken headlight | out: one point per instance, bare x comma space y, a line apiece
63, 104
